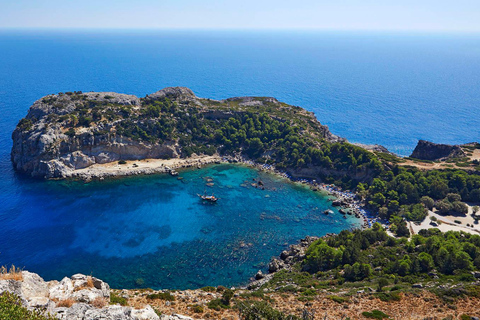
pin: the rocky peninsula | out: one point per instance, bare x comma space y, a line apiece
66, 134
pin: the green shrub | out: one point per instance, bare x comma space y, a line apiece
217, 304
11, 308
122, 162
167, 296
25, 124
208, 289
114, 299
375, 314
338, 299
387, 297
197, 308
260, 310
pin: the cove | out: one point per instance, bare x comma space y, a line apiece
155, 232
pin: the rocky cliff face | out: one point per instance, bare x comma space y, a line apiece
426, 150
65, 132
80, 297
42, 146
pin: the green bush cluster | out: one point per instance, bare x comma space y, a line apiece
260, 310
116, 299
11, 308
167, 296
407, 192
359, 252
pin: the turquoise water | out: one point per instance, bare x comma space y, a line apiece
386, 88
155, 232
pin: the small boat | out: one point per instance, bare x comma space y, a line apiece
328, 212
211, 198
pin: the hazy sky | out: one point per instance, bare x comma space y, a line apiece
422, 15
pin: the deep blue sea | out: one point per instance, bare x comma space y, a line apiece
385, 88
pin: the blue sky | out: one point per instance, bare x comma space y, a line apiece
386, 15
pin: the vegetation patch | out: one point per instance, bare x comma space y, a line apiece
375, 314
11, 308
116, 299
167, 296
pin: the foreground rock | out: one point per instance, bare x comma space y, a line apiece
79, 297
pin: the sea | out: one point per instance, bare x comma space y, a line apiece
369, 87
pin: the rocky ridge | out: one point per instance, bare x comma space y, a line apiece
426, 150
79, 297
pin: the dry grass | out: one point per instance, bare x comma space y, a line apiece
87, 285
67, 303
11, 274
89, 282
99, 302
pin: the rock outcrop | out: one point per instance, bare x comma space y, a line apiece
286, 260
69, 131
426, 150
87, 296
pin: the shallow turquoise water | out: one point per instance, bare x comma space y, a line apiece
155, 232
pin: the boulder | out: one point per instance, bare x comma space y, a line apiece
146, 313
33, 286
14, 287
62, 290
75, 312
259, 275
275, 265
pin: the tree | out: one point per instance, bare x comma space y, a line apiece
427, 202
475, 209
463, 261
426, 262
452, 197
443, 206
357, 272
320, 256
382, 282
438, 189
459, 207
255, 147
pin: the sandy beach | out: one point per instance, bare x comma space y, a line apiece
141, 167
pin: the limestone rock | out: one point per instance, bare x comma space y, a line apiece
146, 313
62, 290
174, 93
33, 286
12, 286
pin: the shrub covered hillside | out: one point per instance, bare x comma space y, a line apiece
409, 192
372, 259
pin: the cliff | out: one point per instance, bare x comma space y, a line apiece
70, 131
426, 150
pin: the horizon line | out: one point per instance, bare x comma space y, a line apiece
295, 29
